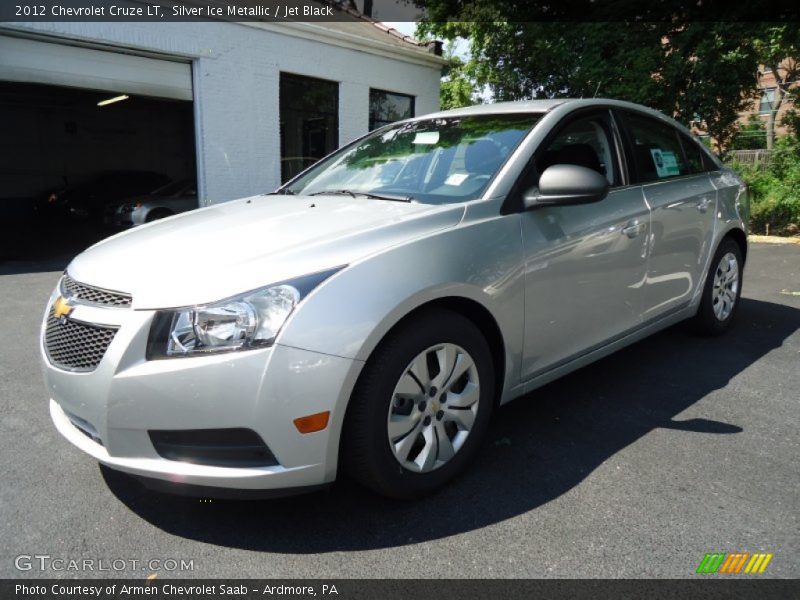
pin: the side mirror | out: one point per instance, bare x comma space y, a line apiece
562, 185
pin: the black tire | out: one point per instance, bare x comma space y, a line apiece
159, 213
706, 321
366, 453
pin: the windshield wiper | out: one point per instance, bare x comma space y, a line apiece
334, 193
352, 194
286, 192
393, 197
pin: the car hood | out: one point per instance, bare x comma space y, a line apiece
220, 251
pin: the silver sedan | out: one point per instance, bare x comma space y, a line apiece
165, 201
368, 316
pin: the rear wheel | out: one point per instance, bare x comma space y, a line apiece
421, 406
722, 290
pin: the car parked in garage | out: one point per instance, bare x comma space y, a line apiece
87, 200
170, 199
370, 315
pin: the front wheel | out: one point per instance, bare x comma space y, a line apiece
421, 406
722, 290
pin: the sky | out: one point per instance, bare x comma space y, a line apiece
408, 28
404, 28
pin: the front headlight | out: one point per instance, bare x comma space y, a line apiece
250, 320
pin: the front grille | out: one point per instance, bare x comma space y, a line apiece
93, 295
76, 346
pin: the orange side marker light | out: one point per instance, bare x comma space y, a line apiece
312, 423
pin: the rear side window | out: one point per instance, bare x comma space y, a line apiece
694, 155
657, 151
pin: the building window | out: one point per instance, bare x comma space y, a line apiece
767, 99
388, 107
309, 121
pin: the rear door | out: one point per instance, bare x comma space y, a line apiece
682, 200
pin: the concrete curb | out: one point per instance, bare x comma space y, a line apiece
773, 239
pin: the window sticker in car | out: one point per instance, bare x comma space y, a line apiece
426, 137
666, 162
456, 178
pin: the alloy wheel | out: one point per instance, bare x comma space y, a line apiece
726, 286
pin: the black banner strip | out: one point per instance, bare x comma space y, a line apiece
673, 11
708, 588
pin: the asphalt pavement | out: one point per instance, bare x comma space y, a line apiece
635, 466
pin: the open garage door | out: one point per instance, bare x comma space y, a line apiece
83, 133
31, 61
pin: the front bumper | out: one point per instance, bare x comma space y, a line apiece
264, 390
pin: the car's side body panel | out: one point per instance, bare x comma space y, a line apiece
733, 203
590, 355
583, 275
348, 315
681, 236
623, 273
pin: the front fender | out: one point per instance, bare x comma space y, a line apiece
478, 260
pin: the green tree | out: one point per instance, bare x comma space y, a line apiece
458, 84
791, 120
694, 71
778, 49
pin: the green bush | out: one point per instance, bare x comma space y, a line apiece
775, 190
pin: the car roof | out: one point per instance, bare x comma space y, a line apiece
545, 106
539, 106
533, 106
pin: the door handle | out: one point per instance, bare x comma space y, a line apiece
703, 205
633, 228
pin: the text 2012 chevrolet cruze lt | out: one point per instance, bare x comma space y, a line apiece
369, 315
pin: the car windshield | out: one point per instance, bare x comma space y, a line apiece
435, 161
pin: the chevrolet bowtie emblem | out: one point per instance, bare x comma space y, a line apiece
62, 308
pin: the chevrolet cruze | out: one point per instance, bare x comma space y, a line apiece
368, 316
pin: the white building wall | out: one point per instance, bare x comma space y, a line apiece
236, 71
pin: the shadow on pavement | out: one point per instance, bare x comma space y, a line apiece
537, 448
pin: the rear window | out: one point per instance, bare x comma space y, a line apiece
694, 155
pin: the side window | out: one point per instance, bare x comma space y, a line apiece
694, 155
657, 151
709, 163
586, 141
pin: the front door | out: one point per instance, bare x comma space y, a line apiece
585, 264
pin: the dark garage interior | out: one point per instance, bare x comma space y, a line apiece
69, 154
